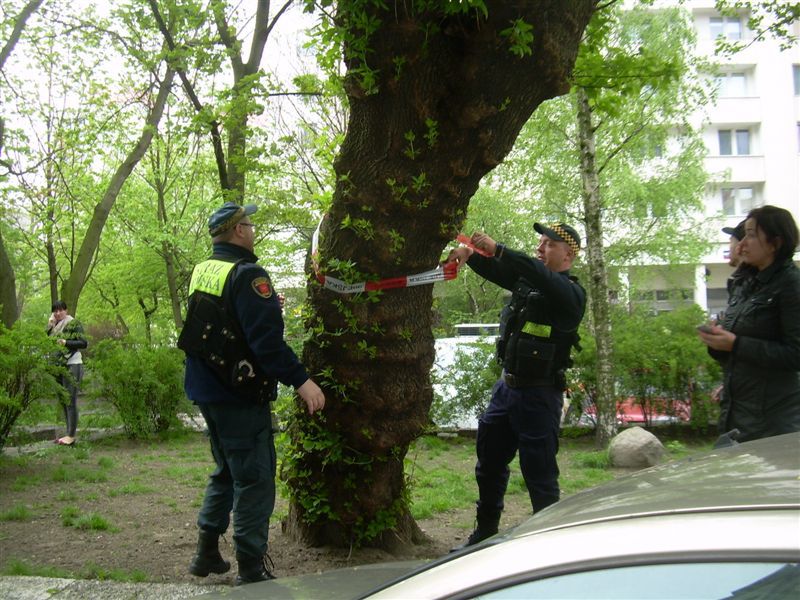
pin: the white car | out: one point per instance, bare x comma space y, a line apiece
722, 524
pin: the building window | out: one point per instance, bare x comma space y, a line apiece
738, 200
728, 27
796, 73
732, 85
734, 141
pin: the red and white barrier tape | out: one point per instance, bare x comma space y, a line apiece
441, 273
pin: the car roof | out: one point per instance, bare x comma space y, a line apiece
737, 503
763, 473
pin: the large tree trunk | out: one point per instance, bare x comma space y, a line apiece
598, 276
8, 288
451, 99
91, 240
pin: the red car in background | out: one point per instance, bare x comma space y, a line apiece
655, 411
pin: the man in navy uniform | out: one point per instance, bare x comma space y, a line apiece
235, 356
538, 328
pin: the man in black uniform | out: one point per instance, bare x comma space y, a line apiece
538, 328
235, 355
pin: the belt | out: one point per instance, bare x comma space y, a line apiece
515, 381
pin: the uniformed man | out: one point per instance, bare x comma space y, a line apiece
235, 355
538, 328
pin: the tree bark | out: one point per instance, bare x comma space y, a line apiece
8, 288
598, 275
91, 240
451, 99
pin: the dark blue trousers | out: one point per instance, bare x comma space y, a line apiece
524, 419
244, 480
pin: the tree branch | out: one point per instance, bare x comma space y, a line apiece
19, 25
216, 137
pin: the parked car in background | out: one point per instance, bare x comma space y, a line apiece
721, 524
472, 348
653, 411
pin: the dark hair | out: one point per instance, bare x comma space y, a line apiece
58, 305
779, 228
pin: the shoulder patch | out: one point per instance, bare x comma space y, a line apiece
262, 286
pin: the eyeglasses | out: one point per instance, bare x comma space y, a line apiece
253, 225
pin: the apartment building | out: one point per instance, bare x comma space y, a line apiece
752, 134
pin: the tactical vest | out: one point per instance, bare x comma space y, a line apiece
212, 333
530, 346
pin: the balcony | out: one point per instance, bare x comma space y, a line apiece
748, 169
736, 110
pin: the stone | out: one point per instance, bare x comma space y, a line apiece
635, 448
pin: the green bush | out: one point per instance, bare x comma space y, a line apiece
657, 360
26, 373
144, 384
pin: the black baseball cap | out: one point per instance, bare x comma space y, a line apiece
561, 233
737, 232
227, 216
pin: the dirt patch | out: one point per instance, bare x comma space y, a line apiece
55, 501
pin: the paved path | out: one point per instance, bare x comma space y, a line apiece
51, 588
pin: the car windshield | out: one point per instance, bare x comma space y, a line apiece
712, 580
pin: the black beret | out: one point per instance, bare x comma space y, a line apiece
228, 215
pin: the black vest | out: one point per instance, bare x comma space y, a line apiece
212, 333
530, 345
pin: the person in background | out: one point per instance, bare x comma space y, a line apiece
736, 235
737, 278
68, 332
538, 329
235, 357
758, 340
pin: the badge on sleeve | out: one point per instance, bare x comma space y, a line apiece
262, 286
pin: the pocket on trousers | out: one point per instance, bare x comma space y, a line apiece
251, 458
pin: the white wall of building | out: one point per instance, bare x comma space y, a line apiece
752, 132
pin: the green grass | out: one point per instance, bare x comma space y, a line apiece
71, 517
105, 462
132, 487
89, 571
72, 473
17, 512
25, 481
67, 496
18, 567
441, 472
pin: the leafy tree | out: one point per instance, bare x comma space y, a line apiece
437, 91
8, 287
765, 18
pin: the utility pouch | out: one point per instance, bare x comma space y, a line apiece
533, 358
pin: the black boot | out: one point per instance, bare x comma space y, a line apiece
486, 527
208, 559
253, 568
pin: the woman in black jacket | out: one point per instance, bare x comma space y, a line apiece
758, 341
68, 332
